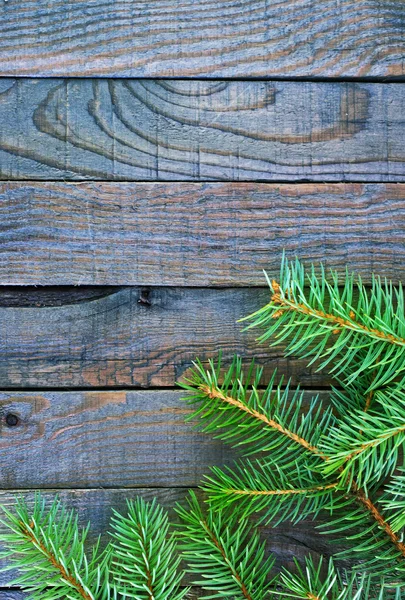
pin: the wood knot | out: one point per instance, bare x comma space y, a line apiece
144, 298
12, 420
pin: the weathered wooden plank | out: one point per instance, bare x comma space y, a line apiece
192, 38
201, 130
109, 439
131, 339
285, 541
88, 439
194, 234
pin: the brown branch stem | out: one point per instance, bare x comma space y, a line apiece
283, 302
219, 546
30, 534
330, 486
148, 573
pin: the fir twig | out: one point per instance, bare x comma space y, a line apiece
224, 407
49, 550
145, 563
349, 328
225, 553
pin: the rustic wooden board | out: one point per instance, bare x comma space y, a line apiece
88, 439
192, 38
109, 439
120, 340
285, 541
201, 130
194, 234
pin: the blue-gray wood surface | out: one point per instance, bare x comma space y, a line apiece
200, 38
155, 157
199, 130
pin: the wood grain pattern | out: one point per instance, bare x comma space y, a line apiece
190, 38
285, 541
194, 234
119, 340
196, 130
107, 439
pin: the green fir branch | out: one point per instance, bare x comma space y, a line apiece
48, 548
270, 424
224, 554
314, 582
256, 421
145, 565
368, 444
260, 487
349, 328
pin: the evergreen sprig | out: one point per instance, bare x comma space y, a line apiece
224, 554
145, 563
303, 459
312, 582
351, 329
48, 548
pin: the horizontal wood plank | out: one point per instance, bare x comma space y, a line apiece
111, 439
194, 234
196, 130
108, 439
135, 338
192, 38
285, 541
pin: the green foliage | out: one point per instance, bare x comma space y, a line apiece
255, 420
353, 330
145, 564
303, 459
49, 550
254, 488
224, 554
314, 582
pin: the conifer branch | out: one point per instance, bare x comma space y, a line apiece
212, 393
145, 563
288, 492
324, 582
28, 531
382, 523
234, 396
49, 550
349, 328
226, 552
284, 303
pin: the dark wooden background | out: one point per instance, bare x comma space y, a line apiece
155, 157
